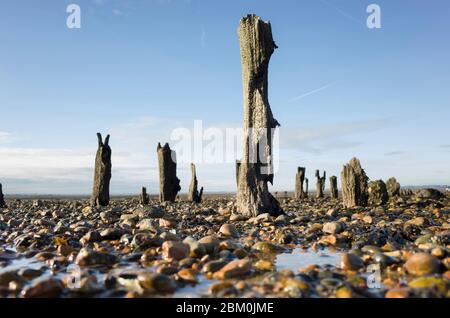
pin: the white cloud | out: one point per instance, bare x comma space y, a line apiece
6, 137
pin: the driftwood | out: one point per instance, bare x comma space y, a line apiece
102, 174
255, 171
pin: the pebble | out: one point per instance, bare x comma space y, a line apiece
48, 288
197, 250
430, 282
211, 244
88, 257
267, 247
173, 250
421, 264
333, 227
229, 230
398, 292
351, 262
234, 269
188, 275
213, 266
156, 282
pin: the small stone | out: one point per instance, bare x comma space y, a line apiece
264, 265
168, 236
146, 240
111, 234
147, 225
398, 292
229, 230
88, 257
90, 237
7, 277
188, 275
48, 288
167, 223
213, 266
234, 269
429, 282
333, 227
236, 217
222, 288
419, 221
367, 219
281, 220
65, 250
172, 250
197, 250
351, 262
421, 264
438, 252
156, 282
332, 213
167, 270
87, 210
211, 244
266, 247
344, 292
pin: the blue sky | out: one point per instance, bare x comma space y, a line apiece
139, 69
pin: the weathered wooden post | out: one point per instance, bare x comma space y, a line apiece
144, 198
102, 174
393, 187
238, 166
2, 198
354, 184
169, 184
193, 194
378, 194
299, 179
306, 187
257, 46
333, 187
320, 184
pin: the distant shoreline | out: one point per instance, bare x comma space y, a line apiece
280, 194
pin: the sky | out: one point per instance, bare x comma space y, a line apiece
139, 69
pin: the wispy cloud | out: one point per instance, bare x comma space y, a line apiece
343, 13
445, 146
203, 37
314, 91
117, 12
395, 153
318, 140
